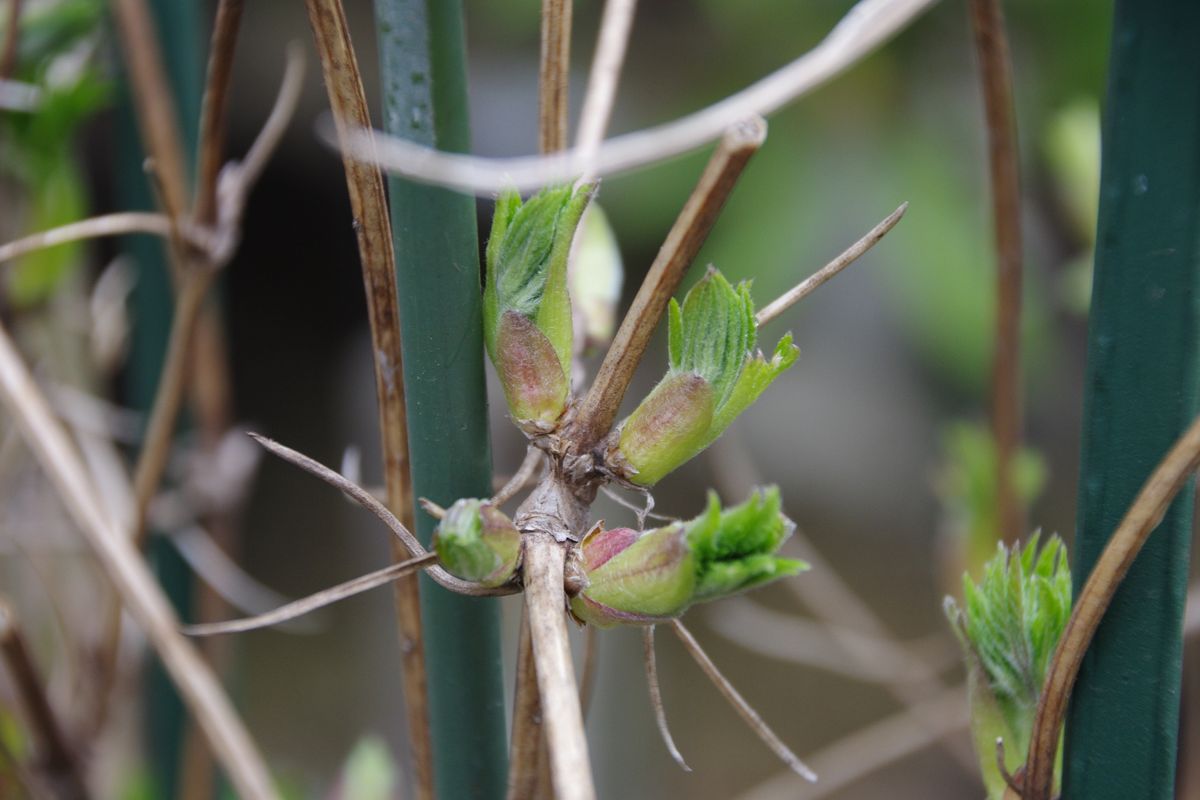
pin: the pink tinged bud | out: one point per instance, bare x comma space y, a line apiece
635, 579
668, 428
535, 385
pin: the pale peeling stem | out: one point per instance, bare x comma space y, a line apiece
527, 734
1140, 520
130, 576
601, 92
598, 410
118, 224
867, 26
368, 203
656, 703
569, 763
744, 709
821, 276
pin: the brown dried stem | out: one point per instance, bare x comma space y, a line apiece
57, 761
368, 203
598, 410
570, 767
152, 98
320, 599
818, 278
214, 108
368, 501
744, 709
995, 73
554, 75
12, 37
134, 583
527, 731
156, 447
587, 673
656, 703
1090, 604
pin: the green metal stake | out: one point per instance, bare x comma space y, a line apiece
180, 34
437, 270
1141, 393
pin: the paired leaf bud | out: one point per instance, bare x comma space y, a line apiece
714, 376
1009, 626
477, 542
526, 305
637, 578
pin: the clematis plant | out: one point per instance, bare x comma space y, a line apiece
1009, 625
643, 578
714, 375
526, 306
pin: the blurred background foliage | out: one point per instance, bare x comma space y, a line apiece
877, 437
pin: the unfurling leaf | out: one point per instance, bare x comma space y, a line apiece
527, 282
715, 374
1009, 625
642, 578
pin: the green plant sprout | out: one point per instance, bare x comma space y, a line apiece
1009, 624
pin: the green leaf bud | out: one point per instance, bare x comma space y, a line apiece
477, 542
527, 257
595, 276
711, 341
1009, 625
641, 578
535, 385
667, 429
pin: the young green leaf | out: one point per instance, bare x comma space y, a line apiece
1009, 625
527, 280
640, 578
714, 375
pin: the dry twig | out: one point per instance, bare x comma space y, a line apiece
137, 588
818, 278
553, 81
569, 764
868, 25
368, 202
372, 504
656, 703
320, 599
995, 68
56, 758
863, 752
12, 37
528, 734
601, 91
1092, 601
598, 409
744, 709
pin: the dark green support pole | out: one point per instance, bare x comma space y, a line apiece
180, 35
437, 269
1141, 393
